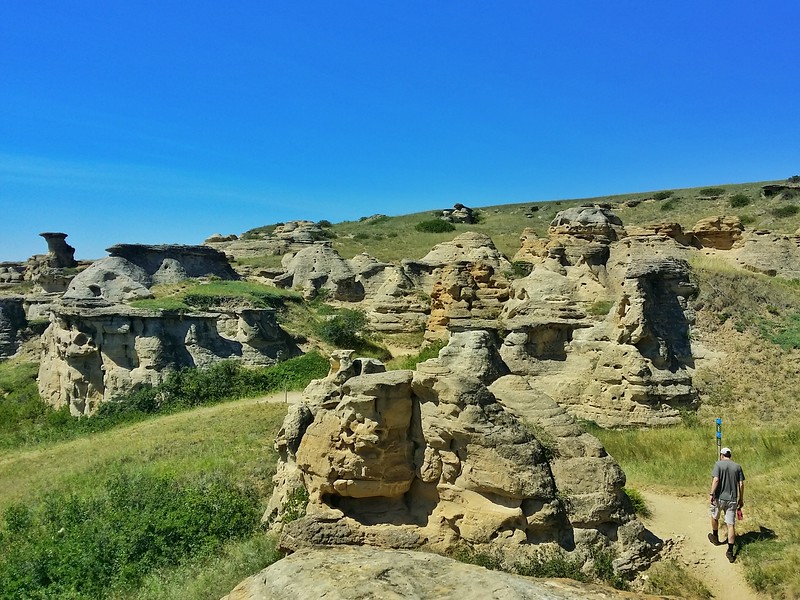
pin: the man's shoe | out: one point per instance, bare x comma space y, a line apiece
730, 556
713, 540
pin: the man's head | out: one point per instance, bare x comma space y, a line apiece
726, 452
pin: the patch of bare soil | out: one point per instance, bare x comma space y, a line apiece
686, 522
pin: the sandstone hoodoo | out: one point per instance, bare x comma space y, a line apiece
457, 452
132, 269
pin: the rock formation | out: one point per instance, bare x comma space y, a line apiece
319, 267
432, 458
367, 572
11, 273
92, 354
284, 238
132, 269
52, 272
12, 322
59, 253
458, 214
718, 232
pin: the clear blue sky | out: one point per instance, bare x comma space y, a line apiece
166, 121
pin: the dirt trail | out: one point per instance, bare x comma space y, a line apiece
685, 521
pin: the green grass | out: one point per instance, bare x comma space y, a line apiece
193, 295
679, 460
670, 578
33, 423
411, 361
504, 222
193, 453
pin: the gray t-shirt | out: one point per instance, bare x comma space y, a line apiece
730, 474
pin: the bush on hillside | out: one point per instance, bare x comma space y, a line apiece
669, 205
712, 192
662, 195
789, 210
346, 329
434, 226
739, 200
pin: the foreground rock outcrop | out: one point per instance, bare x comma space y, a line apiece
365, 572
433, 458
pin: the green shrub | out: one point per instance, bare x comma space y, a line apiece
32, 421
739, 200
638, 502
519, 269
295, 506
603, 567
70, 546
669, 205
712, 192
324, 223
346, 329
469, 556
788, 210
553, 563
662, 195
434, 226
600, 308
747, 219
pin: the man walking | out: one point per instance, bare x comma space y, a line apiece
727, 495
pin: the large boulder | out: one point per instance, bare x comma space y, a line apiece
770, 253
367, 572
588, 222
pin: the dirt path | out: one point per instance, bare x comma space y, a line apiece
685, 521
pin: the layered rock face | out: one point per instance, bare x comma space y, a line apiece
131, 269
601, 330
12, 321
434, 458
94, 354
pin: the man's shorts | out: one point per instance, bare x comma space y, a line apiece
725, 506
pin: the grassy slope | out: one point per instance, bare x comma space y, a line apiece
233, 439
392, 239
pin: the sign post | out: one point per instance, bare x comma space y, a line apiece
719, 437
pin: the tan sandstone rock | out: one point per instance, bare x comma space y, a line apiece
366, 572
431, 458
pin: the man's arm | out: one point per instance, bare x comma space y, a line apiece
741, 494
714, 484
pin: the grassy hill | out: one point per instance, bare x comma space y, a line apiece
392, 239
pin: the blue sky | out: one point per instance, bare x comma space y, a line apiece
166, 121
